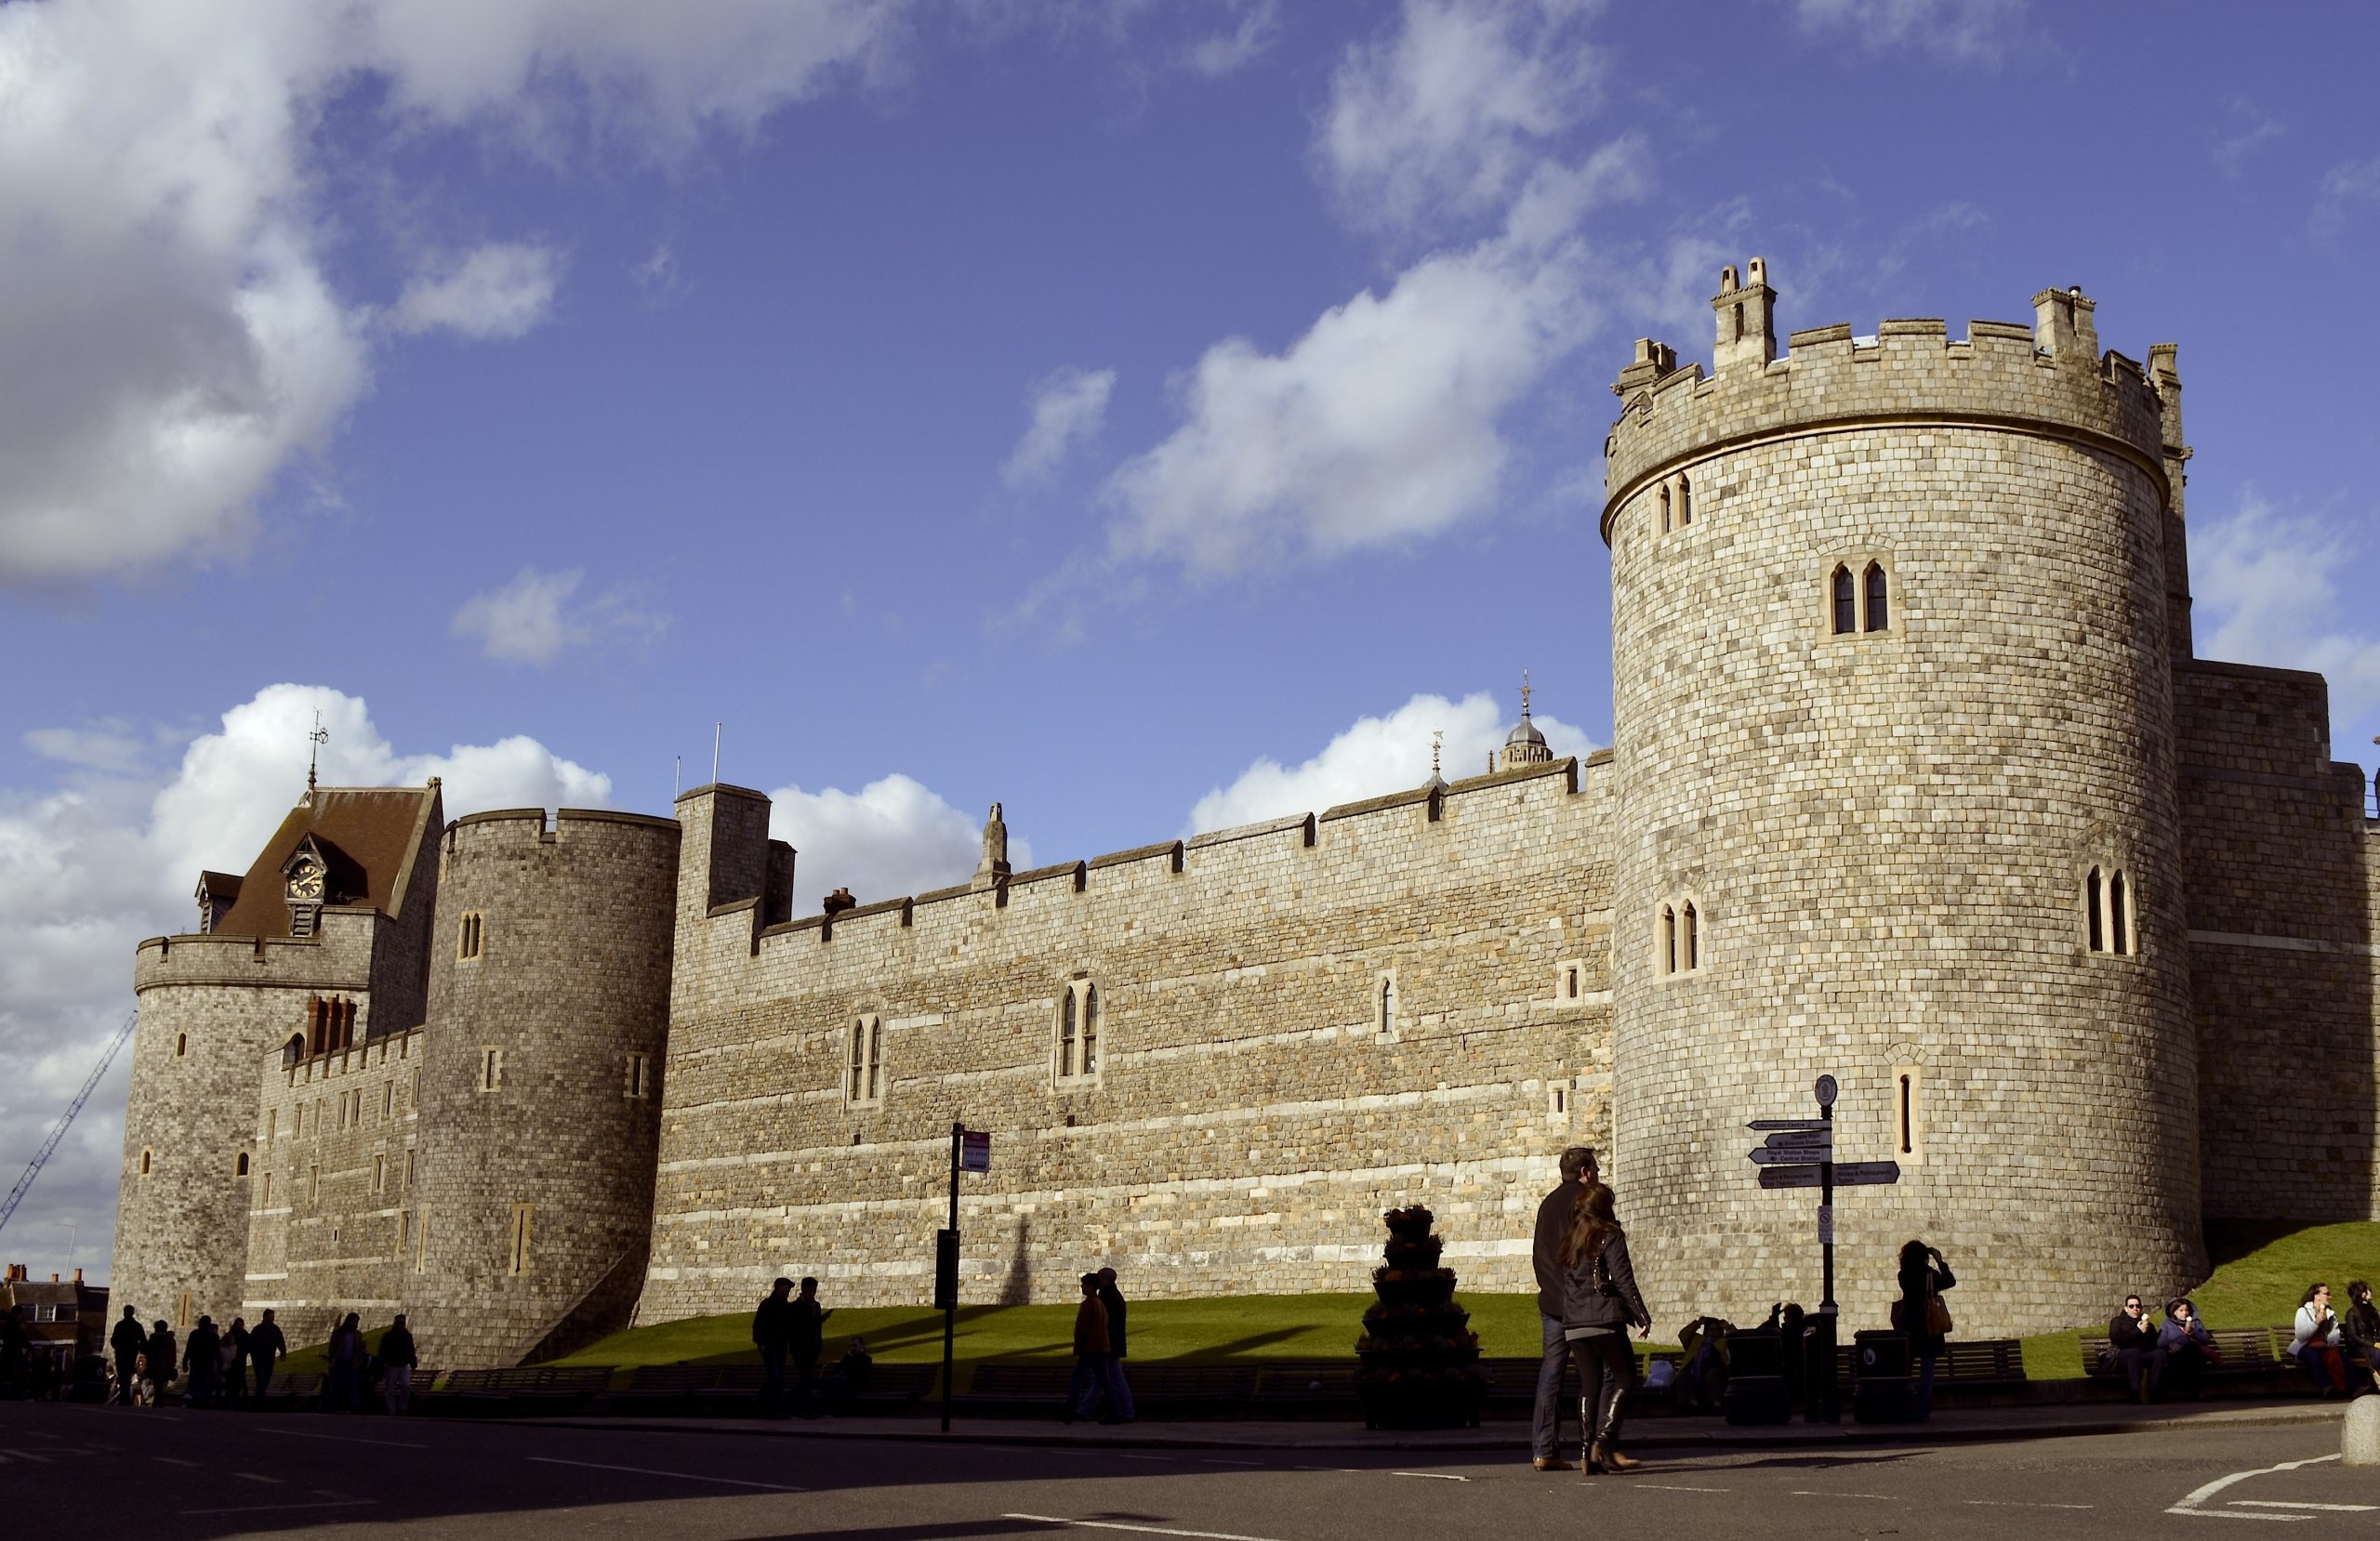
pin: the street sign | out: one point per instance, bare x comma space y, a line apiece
1797, 1155
1848, 1174
1825, 1091
1790, 1124
1787, 1139
1826, 1225
974, 1152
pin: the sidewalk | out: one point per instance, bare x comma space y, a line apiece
1954, 1427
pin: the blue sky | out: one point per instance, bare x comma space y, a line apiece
1151, 416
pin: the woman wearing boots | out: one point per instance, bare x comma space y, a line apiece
1599, 1304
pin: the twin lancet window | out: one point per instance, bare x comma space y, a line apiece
1677, 944
2107, 904
1676, 504
468, 939
1077, 1048
863, 1070
1860, 602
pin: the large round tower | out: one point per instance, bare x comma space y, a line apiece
1894, 742
540, 1099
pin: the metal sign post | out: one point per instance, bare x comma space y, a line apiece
1799, 1153
946, 1273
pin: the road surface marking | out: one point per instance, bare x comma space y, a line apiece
169, 1460
1665, 1487
2017, 1503
1137, 1529
682, 1476
1435, 1476
2284, 1503
252, 1477
262, 1508
2199, 1495
345, 1439
1218, 1460
1814, 1493
1170, 1460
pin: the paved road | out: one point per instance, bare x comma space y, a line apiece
107, 1473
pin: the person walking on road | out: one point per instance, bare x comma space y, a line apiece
808, 1343
397, 1358
265, 1346
1554, 1214
347, 1355
2132, 1343
127, 1340
771, 1331
1120, 1393
1599, 1303
1921, 1315
202, 1357
160, 1352
1090, 1347
235, 1362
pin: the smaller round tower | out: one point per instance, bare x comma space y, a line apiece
540, 1096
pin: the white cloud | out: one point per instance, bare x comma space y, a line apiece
1069, 408
109, 855
495, 291
1448, 110
1958, 31
2345, 187
1225, 53
2266, 579
537, 617
1380, 425
174, 340
1377, 755
892, 837
2245, 128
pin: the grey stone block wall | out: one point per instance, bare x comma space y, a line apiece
572, 978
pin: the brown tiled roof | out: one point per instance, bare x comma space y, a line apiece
372, 836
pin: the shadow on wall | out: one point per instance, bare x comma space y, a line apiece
1017, 1288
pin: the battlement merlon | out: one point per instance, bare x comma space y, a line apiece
2043, 379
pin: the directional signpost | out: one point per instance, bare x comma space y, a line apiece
1799, 1153
970, 1150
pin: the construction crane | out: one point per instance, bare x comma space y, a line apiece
65, 1120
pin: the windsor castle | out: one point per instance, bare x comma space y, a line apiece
1917, 781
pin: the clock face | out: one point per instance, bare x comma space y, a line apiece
306, 881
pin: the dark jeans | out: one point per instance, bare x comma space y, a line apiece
772, 1379
2185, 1369
123, 1378
2143, 1367
264, 1375
1545, 1419
1117, 1391
2317, 1361
805, 1377
1091, 1376
1607, 1372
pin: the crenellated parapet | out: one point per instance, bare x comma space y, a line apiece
2048, 378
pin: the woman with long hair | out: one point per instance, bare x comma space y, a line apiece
1924, 1277
2315, 1341
1599, 1303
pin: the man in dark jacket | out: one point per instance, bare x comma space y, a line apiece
265, 1348
202, 1357
809, 1342
160, 1349
772, 1331
2132, 1339
1120, 1393
398, 1357
127, 1340
1553, 1220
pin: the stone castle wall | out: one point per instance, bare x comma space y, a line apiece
1885, 835
572, 978
1247, 1120
331, 1229
2284, 910
211, 1007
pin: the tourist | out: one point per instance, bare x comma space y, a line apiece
2314, 1342
772, 1331
235, 1362
2132, 1345
1577, 1167
1702, 1364
397, 1358
853, 1372
127, 1340
809, 1341
1120, 1393
143, 1392
265, 1346
347, 1356
1921, 1316
2187, 1346
202, 1357
1599, 1302
160, 1352
1090, 1347
2362, 1331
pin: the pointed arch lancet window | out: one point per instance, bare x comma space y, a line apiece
1089, 1029
1693, 938
1388, 1006
2095, 916
1667, 524
1067, 1032
1879, 607
1668, 939
1684, 503
2118, 902
1847, 602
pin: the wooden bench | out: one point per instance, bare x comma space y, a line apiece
2240, 1352
1190, 1391
295, 1386
1306, 1389
893, 1390
1010, 1390
535, 1383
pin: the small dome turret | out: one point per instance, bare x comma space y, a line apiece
1525, 744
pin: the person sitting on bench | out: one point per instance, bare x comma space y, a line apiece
2132, 1343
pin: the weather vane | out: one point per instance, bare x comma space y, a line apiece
1437, 738
1523, 692
320, 736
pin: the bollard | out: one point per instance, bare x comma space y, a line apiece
2359, 1445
